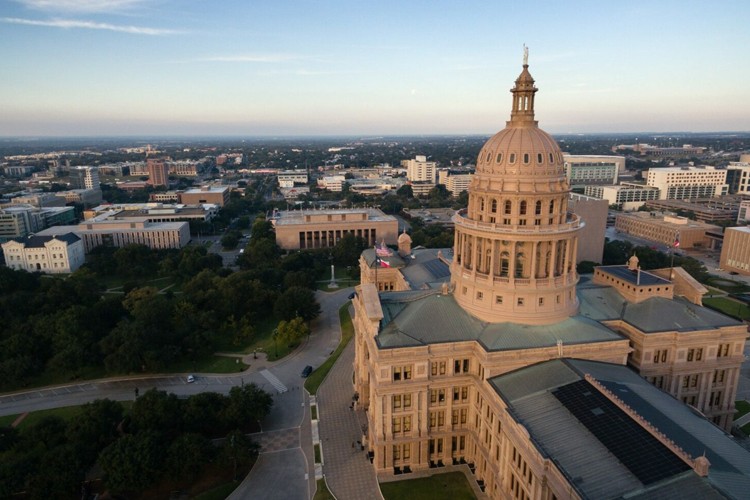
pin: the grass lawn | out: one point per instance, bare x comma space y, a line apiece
728, 285
450, 486
347, 331
66, 413
742, 407
728, 306
210, 364
322, 492
317, 453
262, 342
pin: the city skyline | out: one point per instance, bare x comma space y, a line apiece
140, 67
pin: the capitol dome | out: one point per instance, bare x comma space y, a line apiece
521, 148
516, 243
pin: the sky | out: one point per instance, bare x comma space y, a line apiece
350, 67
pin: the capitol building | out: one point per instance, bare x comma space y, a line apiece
546, 384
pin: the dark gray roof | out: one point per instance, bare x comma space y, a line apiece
428, 317
633, 277
590, 465
34, 241
394, 260
657, 314
424, 268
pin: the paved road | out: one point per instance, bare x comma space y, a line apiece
286, 459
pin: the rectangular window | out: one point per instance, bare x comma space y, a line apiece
407, 400
520, 301
723, 351
498, 299
480, 295
396, 401
660, 356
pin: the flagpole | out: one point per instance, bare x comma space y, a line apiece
377, 264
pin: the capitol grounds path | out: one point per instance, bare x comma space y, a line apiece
286, 466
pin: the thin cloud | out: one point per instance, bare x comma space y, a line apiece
80, 5
78, 24
251, 58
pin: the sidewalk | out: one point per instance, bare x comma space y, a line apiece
348, 471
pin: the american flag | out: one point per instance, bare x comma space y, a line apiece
382, 250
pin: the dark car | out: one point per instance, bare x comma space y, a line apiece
306, 371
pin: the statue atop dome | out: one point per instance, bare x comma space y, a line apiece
525, 55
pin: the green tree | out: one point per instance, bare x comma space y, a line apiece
133, 462
347, 250
247, 404
292, 331
95, 428
237, 449
187, 455
297, 301
586, 267
157, 411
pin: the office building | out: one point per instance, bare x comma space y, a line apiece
158, 172
301, 229
626, 196
517, 369
583, 170
290, 178
688, 182
216, 195
421, 170
735, 250
593, 212
85, 178
120, 233
665, 229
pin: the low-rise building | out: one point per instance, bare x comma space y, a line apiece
703, 210
735, 250
626, 196
333, 183
217, 195
118, 233
667, 230
288, 178
302, 229
63, 253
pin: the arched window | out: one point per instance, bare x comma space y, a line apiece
508, 207
526, 158
481, 204
520, 262
551, 158
552, 207
512, 159
504, 264
493, 207
522, 209
489, 156
538, 208
499, 157
539, 158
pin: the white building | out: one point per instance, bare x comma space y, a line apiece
87, 177
627, 196
421, 170
456, 183
583, 170
738, 175
47, 254
688, 182
332, 182
119, 233
288, 178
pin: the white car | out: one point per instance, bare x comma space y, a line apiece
190, 379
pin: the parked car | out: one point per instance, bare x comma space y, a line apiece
190, 379
306, 371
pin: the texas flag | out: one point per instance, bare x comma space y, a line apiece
383, 263
677, 242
